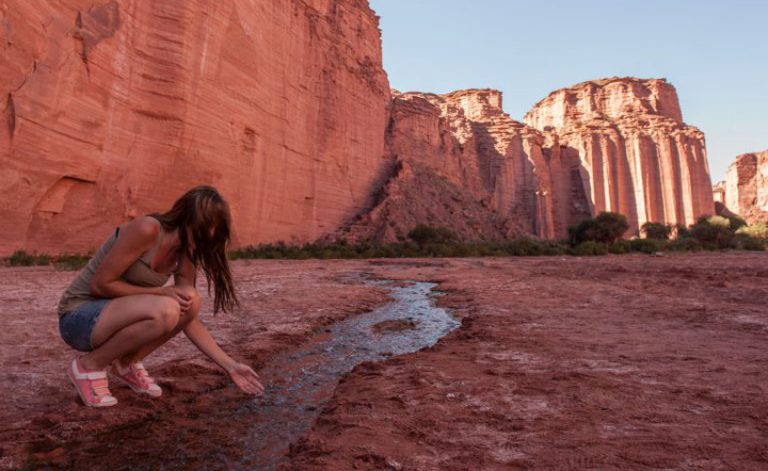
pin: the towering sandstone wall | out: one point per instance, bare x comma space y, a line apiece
746, 187
608, 145
112, 109
639, 157
461, 162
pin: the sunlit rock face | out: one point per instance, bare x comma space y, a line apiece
638, 156
113, 109
609, 145
461, 162
746, 187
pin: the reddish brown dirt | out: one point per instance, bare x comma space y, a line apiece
43, 421
628, 362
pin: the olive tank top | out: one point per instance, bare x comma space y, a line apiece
139, 273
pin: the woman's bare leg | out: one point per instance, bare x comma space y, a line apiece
186, 317
128, 323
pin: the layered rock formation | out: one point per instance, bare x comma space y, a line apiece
461, 162
640, 158
745, 190
113, 109
609, 145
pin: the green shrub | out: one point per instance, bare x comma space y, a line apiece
590, 248
656, 230
619, 247
747, 242
423, 234
21, 258
605, 228
713, 232
759, 230
648, 246
684, 244
682, 231
532, 247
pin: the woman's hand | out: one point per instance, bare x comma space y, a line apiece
181, 296
245, 378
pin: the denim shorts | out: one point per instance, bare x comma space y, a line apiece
76, 327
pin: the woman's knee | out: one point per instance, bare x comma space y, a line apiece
166, 315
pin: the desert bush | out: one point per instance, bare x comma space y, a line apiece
619, 247
656, 230
589, 248
648, 246
21, 258
713, 232
514, 247
533, 247
744, 241
759, 230
682, 231
684, 244
423, 234
605, 228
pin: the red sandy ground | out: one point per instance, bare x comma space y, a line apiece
628, 362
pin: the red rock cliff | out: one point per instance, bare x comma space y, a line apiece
746, 187
461, 162
608, 145
639, 157
113, 109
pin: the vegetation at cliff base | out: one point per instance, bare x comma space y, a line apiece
656, 230
606, 228
601, 235
597, 236
21, 258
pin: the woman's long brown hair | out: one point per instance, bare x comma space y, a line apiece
204, 212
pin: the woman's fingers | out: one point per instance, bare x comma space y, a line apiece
247, 379
249, 386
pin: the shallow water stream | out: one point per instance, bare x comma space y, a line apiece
301, 381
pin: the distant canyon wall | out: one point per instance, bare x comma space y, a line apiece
607, 145
639, 157
113, 109
745, 189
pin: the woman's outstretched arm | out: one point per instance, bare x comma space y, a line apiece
242, 375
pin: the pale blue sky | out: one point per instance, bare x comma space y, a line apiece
714, 52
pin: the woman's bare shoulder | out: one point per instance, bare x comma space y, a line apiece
142, 228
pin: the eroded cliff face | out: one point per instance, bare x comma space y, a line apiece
609, 145
639, 157
745, 189
113, 109
462, 163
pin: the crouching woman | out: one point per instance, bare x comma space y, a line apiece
119, 309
